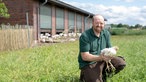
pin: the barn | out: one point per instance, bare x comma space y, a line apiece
47, 16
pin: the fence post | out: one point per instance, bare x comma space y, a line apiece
27, 21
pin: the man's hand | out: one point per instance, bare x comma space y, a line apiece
105, 57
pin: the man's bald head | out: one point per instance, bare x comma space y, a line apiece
98, 17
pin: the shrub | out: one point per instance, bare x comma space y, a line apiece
117, 31
135, 32
123, 31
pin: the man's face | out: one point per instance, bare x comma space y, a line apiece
98, 24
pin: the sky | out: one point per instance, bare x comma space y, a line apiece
129, 12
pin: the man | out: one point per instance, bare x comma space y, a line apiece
91, 42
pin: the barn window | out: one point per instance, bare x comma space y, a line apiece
79, 23
59, 18
71, 18
45, 17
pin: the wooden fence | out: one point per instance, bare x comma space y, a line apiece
15, 37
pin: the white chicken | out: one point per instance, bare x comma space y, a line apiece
110, 51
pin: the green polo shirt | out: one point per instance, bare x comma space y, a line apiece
89, 42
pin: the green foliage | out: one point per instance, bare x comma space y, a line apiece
138, 26
58, 62
135, 32
3, 10
120, 25
124, 31
117, 31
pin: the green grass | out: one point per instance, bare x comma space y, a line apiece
133, 48
58, 62
54, 63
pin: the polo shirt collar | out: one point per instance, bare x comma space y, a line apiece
101, 33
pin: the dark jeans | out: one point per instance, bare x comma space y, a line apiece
97, 72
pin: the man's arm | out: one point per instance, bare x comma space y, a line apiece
86, 56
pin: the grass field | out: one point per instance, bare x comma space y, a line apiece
58, 62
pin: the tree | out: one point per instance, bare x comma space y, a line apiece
114, 25
125, 25
138, 26
3, 10
119, 25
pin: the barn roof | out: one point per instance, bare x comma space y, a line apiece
68, 6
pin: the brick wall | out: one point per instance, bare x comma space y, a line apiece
17, 10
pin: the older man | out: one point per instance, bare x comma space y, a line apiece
91, 42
